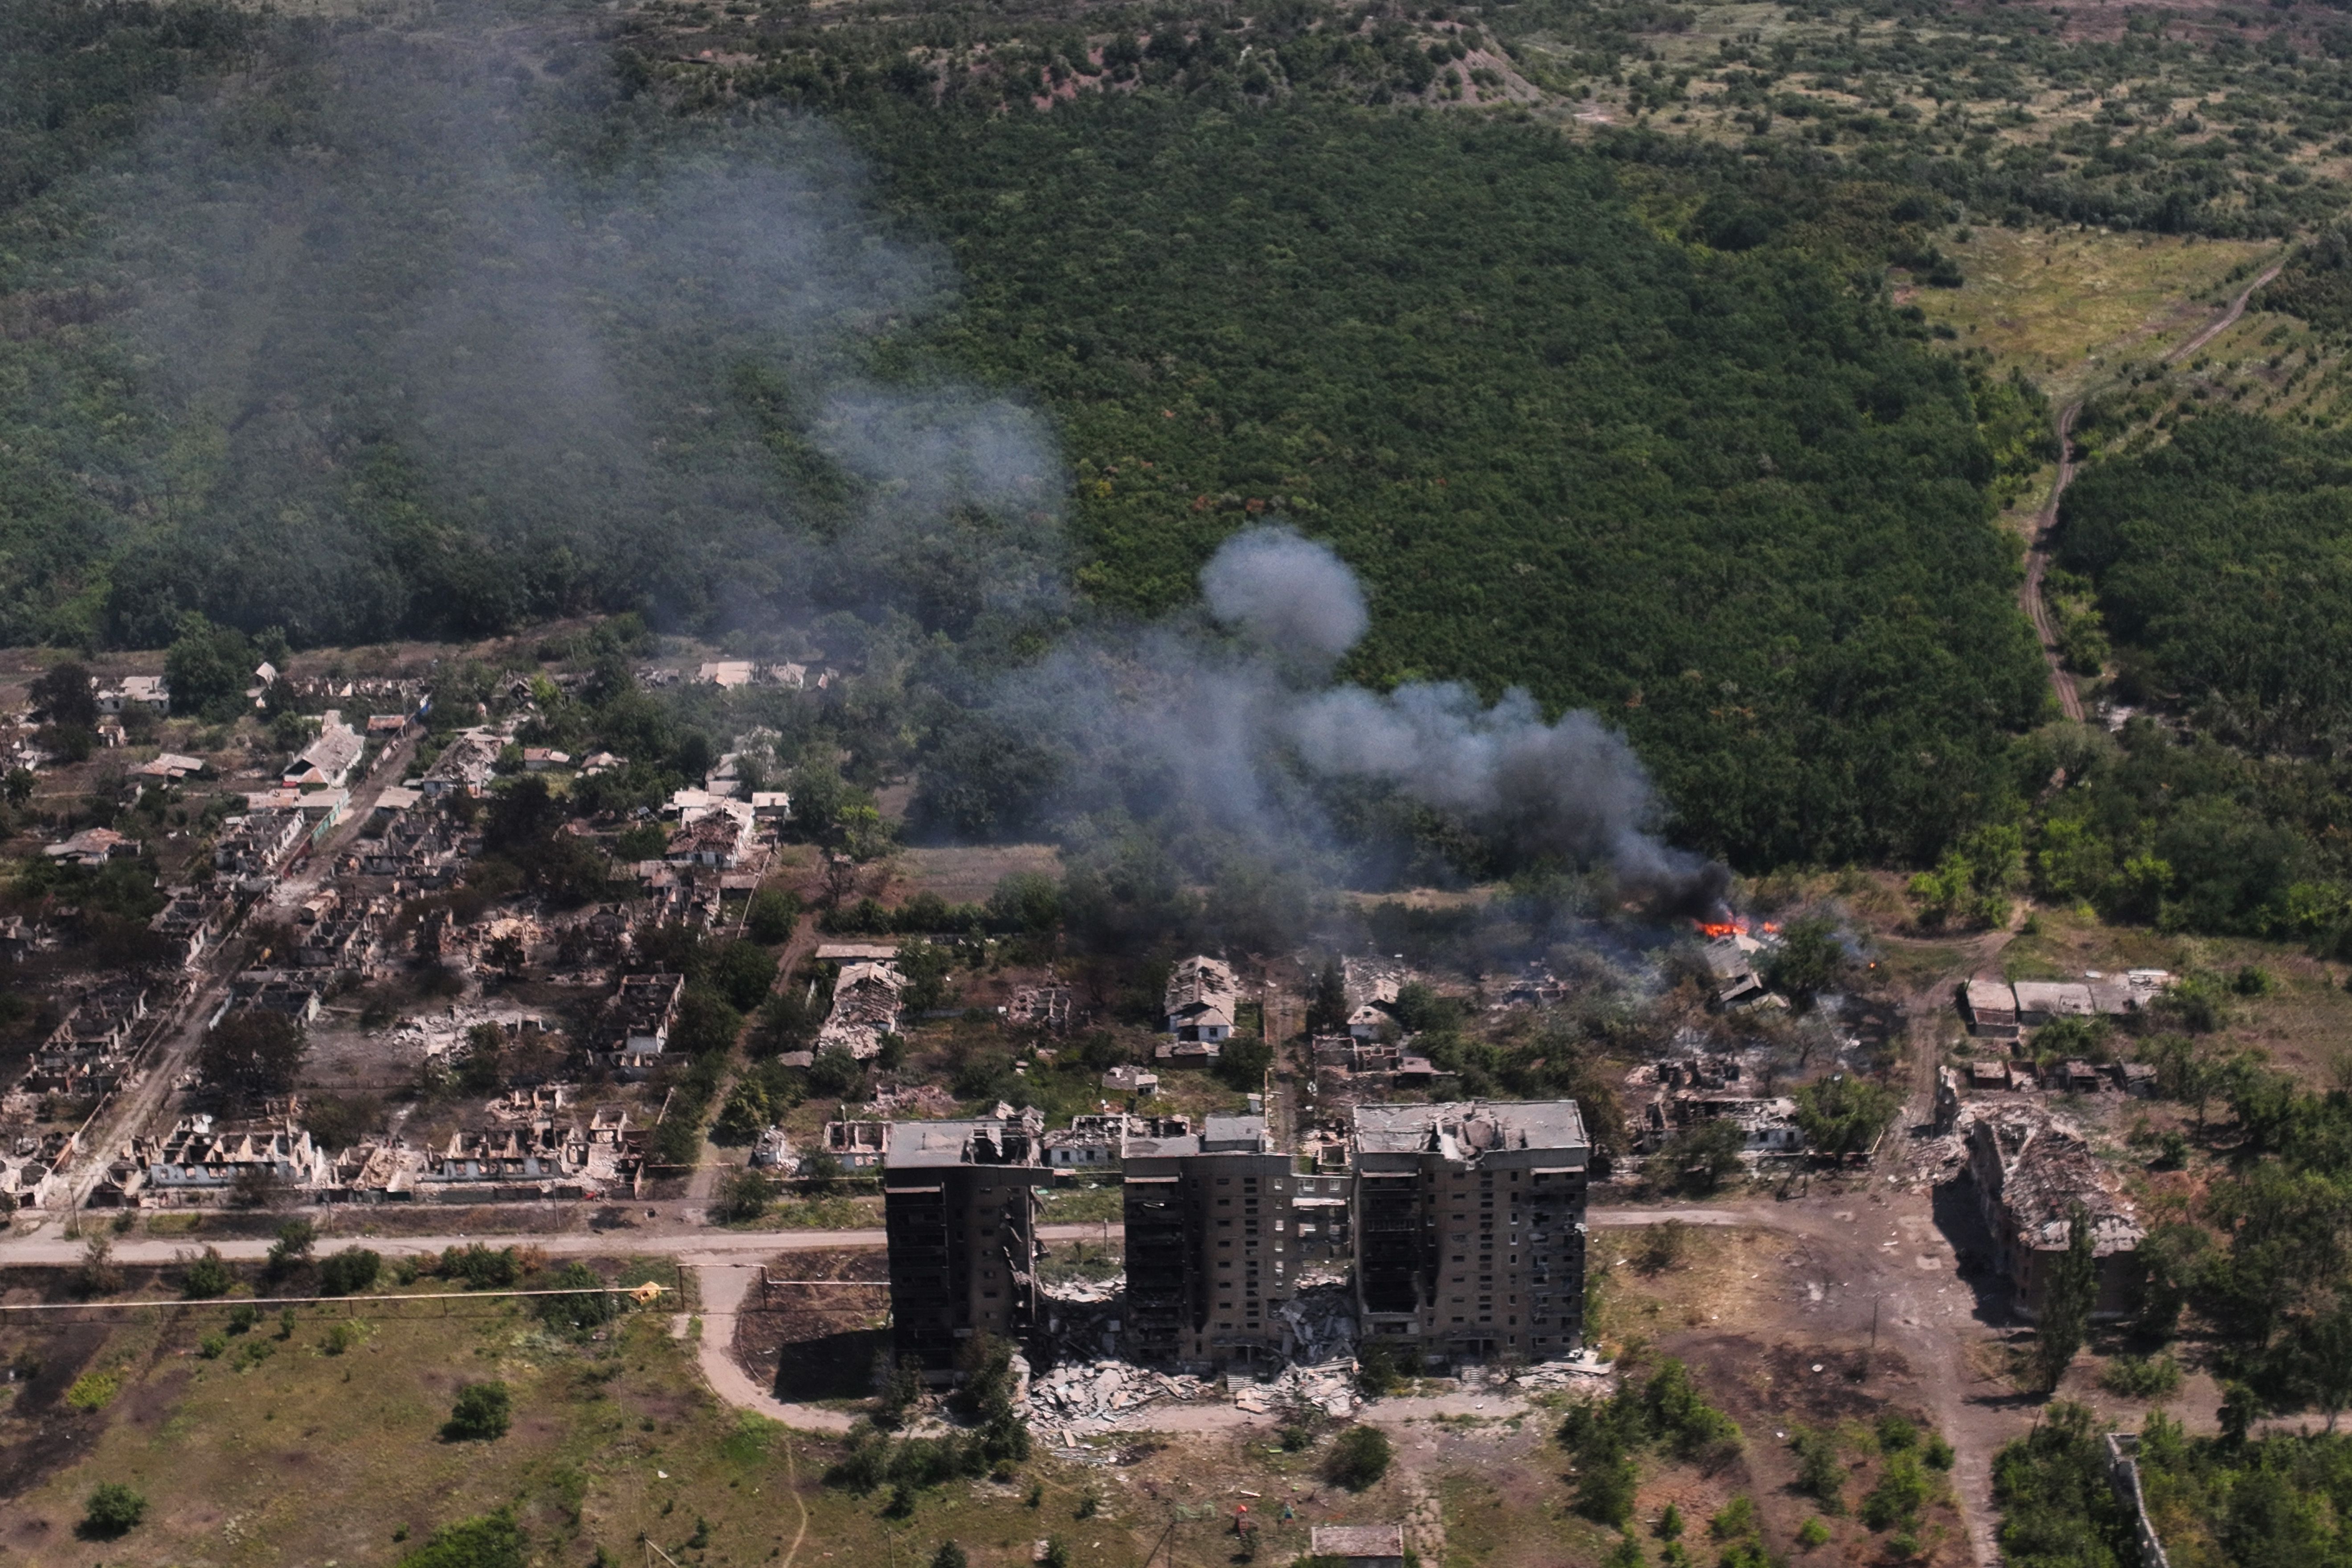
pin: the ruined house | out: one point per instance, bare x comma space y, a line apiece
638, 1024
866, 1008
857, 1145
326, 761
1201, 1001
1099, 1142
2032, 1171
463, 766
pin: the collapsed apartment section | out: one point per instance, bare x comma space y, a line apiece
1469, 1227
92, 1049
959, 1213
2033, 1171
200, 1162
1211, 1244
1099, 1142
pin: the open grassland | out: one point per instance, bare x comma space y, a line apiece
2062, 304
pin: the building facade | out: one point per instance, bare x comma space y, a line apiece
959, 1210
1469, 1227
1211, 1244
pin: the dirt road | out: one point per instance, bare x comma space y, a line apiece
2037, 563
2037, 555
2226, 319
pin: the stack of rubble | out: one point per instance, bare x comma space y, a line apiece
1322, 1322
1331, 1390
1100, 1393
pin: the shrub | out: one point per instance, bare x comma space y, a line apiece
213, 1346
483, 1412
1359, 1458
208, 1277
93, 1390
492, 1542
1820, 1472
481, 1267
1812, 1535
1896, 1435
242, 1318
595, 1307
112, 1509
950, 1555
349, 1272
2141, 1377
1900, 1494
344, 1336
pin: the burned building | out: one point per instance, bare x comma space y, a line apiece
1469, 1227
1202, 1001
2032, 1171
638, 1024
1212, 1240
866, 1008
960, 1209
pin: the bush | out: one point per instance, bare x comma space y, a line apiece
349, 1272
771, 918
1359, 1458
1821, 1471
208, 1277
483, 1412
112, 1509
2141, 1377
1812, 1535
481, 1267
595, 1307
344, 1336
213, 1346
93, 1390
1901, 1492
493, 1542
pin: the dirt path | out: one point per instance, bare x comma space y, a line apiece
2037, 563
2227, 319
2037, 555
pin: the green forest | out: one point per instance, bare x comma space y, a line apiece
1725, 497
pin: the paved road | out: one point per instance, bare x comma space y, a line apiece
690, 1247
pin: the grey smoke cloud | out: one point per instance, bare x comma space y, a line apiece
587, 334
1290, 595
1225, 745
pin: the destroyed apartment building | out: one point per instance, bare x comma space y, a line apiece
1469, 1227
2033, 1171
1219, 1230
1768, 1125
960, 1209
200, 1162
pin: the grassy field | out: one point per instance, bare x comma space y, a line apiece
320, 1443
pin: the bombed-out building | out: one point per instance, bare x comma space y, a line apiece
1212, 1243
1469, 1227
960, 1207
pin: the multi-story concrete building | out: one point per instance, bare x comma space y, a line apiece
1469, 1227
960, 1206
1218, 1226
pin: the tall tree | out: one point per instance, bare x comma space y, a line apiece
2066, 1303
252, 1055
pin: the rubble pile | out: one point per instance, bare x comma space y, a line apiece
1330, 1389
1098, 1394
1322, 1320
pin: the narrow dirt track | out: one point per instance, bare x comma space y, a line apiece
2037, 555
